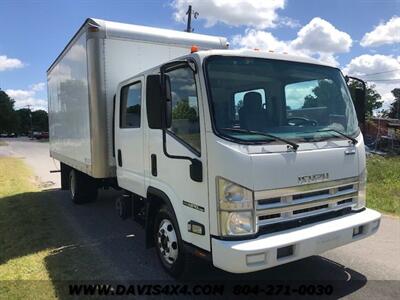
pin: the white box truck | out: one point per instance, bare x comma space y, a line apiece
248, 158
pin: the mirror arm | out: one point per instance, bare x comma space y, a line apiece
164, 133
196, 167
359, 80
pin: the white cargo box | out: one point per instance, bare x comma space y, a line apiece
83, 79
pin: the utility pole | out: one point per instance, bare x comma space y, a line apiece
189, 20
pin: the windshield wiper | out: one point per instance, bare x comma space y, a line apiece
293, 146
353, 140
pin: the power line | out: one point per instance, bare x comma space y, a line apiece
394, 79
389, 71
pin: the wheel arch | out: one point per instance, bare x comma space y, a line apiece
155, 198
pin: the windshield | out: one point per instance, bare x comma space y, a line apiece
290, 100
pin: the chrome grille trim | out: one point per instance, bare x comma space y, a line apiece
305, 203
309, 200
300, 189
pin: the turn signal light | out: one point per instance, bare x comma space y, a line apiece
194, 48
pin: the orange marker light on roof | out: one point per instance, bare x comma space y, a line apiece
194, 49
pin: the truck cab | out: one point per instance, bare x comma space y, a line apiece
251, 159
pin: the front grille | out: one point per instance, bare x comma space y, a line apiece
295, 223
299, 202
300, 211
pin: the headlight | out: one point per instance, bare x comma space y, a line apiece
236, 223
233, 196
362, 195
235, 205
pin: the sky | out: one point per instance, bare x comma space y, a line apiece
362, 37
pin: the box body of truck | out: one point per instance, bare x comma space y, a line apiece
83, 79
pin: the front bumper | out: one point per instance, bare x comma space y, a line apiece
282, 247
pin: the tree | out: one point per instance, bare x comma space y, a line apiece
40, 120
326, 92
373, 97
394, 111
24, 120
182, 110
324, 95
8, 118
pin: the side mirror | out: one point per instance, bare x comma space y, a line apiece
359, 104
360, 99
157, 97
154, 102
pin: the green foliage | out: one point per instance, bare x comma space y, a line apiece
394, 111
39, 248
182, 110
383, 188
8, 119
22, 120
324, 94
40, 120
135, 109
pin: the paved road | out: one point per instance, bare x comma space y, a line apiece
358, 269
36, 154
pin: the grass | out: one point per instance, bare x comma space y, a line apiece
383, 188
3, 143
37, 249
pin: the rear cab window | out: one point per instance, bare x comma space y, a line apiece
131, 102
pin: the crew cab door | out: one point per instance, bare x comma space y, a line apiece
184, 138
129, 136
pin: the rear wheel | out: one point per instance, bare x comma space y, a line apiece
82, 188
168, 242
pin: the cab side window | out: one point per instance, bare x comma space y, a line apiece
131, 102
185, 110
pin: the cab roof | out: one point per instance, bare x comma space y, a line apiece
262, 54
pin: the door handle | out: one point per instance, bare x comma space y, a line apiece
119, 158
153, 165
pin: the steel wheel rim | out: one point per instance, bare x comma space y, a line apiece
167, 242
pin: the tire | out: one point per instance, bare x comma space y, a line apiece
168, 243
123, 206
65, 172
83, 189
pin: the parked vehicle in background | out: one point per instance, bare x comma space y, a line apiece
226, 154
35, 134
42, 135
10, 135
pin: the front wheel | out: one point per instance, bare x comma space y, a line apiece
168, 242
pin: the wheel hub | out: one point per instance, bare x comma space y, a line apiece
167, 241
